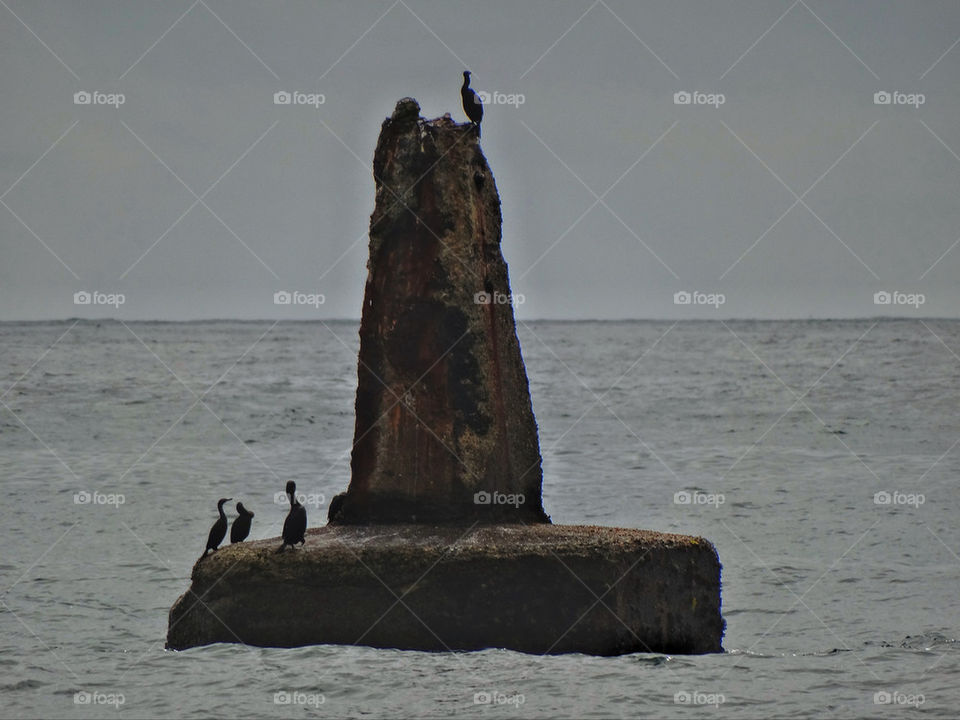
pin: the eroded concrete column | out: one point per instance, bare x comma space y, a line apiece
445, 431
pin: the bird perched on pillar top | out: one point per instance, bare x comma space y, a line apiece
472, 105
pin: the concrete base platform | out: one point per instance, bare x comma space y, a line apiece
534, 588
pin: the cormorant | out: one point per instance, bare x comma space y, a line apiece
219, 530
241, 526
472, 105
295, 525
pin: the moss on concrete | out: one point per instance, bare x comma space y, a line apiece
532, 588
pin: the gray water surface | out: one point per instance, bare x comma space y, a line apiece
789, 430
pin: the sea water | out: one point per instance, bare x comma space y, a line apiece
820, 457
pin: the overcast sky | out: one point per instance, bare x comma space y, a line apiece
198, 197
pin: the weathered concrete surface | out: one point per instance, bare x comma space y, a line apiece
529, 588
410, 559
443, 407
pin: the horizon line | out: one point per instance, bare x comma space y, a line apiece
525, 320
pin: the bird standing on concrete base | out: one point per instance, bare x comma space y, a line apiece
295, 526
241, 526
219, 530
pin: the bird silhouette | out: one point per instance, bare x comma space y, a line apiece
241, 526
219, 530
295, 526
472, 105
